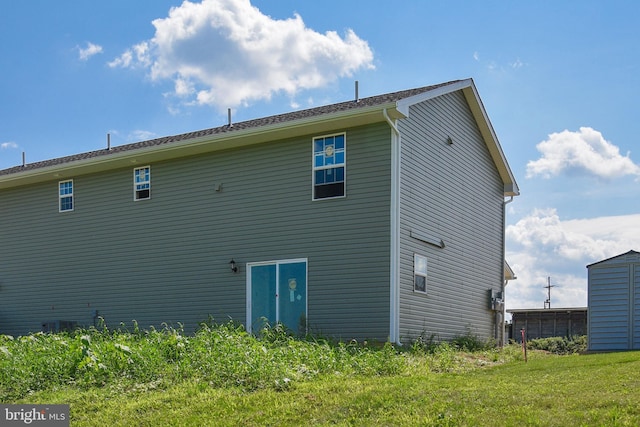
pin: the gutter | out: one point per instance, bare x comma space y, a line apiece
502, 315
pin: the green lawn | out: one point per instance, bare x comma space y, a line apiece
577, 390
315, 383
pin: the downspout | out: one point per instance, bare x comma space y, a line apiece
501, 315
394, 279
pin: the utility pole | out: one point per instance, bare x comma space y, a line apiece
547, 303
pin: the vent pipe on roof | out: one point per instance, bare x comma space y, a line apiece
24, 159
108, 141
229, 114
357, 95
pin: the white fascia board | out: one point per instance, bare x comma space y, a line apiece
509, 274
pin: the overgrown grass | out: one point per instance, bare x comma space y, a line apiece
560, 345
220, 356
223, 376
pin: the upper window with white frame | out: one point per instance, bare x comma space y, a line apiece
65, 195
419, 273
142, 183
329, 164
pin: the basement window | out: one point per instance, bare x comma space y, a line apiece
142, 183
65, 196
419, 273
329, 163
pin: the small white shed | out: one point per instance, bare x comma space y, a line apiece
614, 303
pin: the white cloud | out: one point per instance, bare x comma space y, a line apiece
543, 233
528, 290
137, 56
542, 245
585, 151
183, 87
227, 53
141, 135
87, 52
8, 145
499, 66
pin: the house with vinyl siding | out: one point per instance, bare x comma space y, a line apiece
377, 218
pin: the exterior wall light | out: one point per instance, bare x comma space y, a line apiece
233, 266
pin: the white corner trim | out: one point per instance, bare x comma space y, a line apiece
394, 249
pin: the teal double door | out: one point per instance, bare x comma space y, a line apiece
277, 293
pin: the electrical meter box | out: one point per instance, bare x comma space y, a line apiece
496, 300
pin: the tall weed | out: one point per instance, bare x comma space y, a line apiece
471, 342
217, 355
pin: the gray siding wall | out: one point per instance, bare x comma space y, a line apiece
614, 304
166, 259
451, 193
636, 306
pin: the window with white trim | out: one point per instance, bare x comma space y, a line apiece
65, 195
142, 183
329, 163
419, 273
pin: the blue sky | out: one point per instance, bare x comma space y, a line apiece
560, 82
